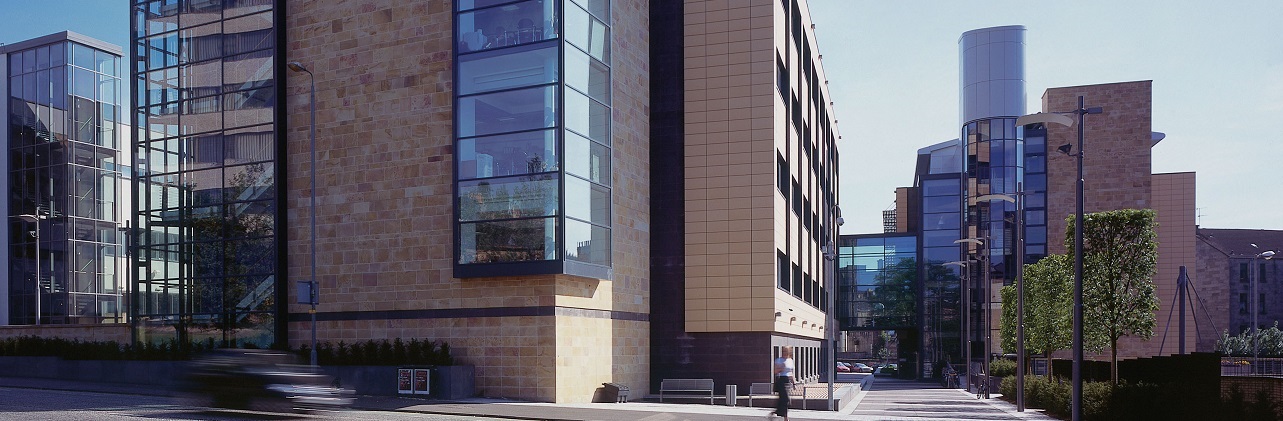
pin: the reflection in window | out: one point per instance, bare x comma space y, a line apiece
587, 75
587, 243
587, 158
506, 25
506, 198
497, 70
508, 241
588, 117
587, 33
507, 111
587, 201
509, 154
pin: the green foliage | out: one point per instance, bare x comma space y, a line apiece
1002, 367
370, 352
75, 349
1120, 254
381, 352
1048, 306
1271, 342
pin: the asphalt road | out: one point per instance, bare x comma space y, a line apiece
41, 404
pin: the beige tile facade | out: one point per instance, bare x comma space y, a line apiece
736, 122
1173, 197
384, 198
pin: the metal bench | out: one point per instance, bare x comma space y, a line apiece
687, 386
758, 389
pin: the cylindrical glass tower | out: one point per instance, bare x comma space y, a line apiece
992, 95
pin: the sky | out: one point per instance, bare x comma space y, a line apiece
1216, 67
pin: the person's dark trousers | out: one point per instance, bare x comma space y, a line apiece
782, 394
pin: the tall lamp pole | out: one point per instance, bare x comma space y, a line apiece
1019, 241
831, 254
966, 311
1076, 399
35, 219
983, 259
311, 101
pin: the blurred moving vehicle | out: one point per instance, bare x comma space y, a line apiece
259, 380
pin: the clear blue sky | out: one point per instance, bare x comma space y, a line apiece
1217, 69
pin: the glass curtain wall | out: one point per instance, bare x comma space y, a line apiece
64, 149
206, 195
1035, 217
533, 137
995, 165
883, 295
941, 284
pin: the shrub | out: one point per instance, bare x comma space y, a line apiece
1002, 367
381, 352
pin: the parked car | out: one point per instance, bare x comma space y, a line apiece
259, 380
842, 368
861, 368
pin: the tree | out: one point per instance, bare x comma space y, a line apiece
1120, 255
1048, 307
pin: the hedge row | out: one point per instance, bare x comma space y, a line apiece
371, 352
1137, 401
381, 352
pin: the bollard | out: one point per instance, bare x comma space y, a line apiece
731, 394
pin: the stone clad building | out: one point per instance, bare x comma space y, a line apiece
568, 192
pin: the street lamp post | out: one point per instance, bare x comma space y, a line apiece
311, 100
1076, 398
831, 254
966, 311
35, 219
1256, 327
1019, 241
983, 259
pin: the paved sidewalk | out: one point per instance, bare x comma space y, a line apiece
878, 399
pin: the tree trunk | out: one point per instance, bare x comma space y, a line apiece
1113, 362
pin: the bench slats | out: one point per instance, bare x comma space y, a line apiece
686, 385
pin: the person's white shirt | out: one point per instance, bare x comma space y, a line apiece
785, 366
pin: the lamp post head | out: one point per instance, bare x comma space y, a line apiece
1268, 254
1044, 118
31, 218
1065, 149
298, 67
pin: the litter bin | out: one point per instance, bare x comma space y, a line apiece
614, 392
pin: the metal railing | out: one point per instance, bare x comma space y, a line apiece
1243, 366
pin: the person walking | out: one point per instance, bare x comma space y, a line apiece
783, 382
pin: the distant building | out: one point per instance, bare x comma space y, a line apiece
1228, 268
66, 180
993, 156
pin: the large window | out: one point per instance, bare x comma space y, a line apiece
533, 137
64, 147
207, 202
